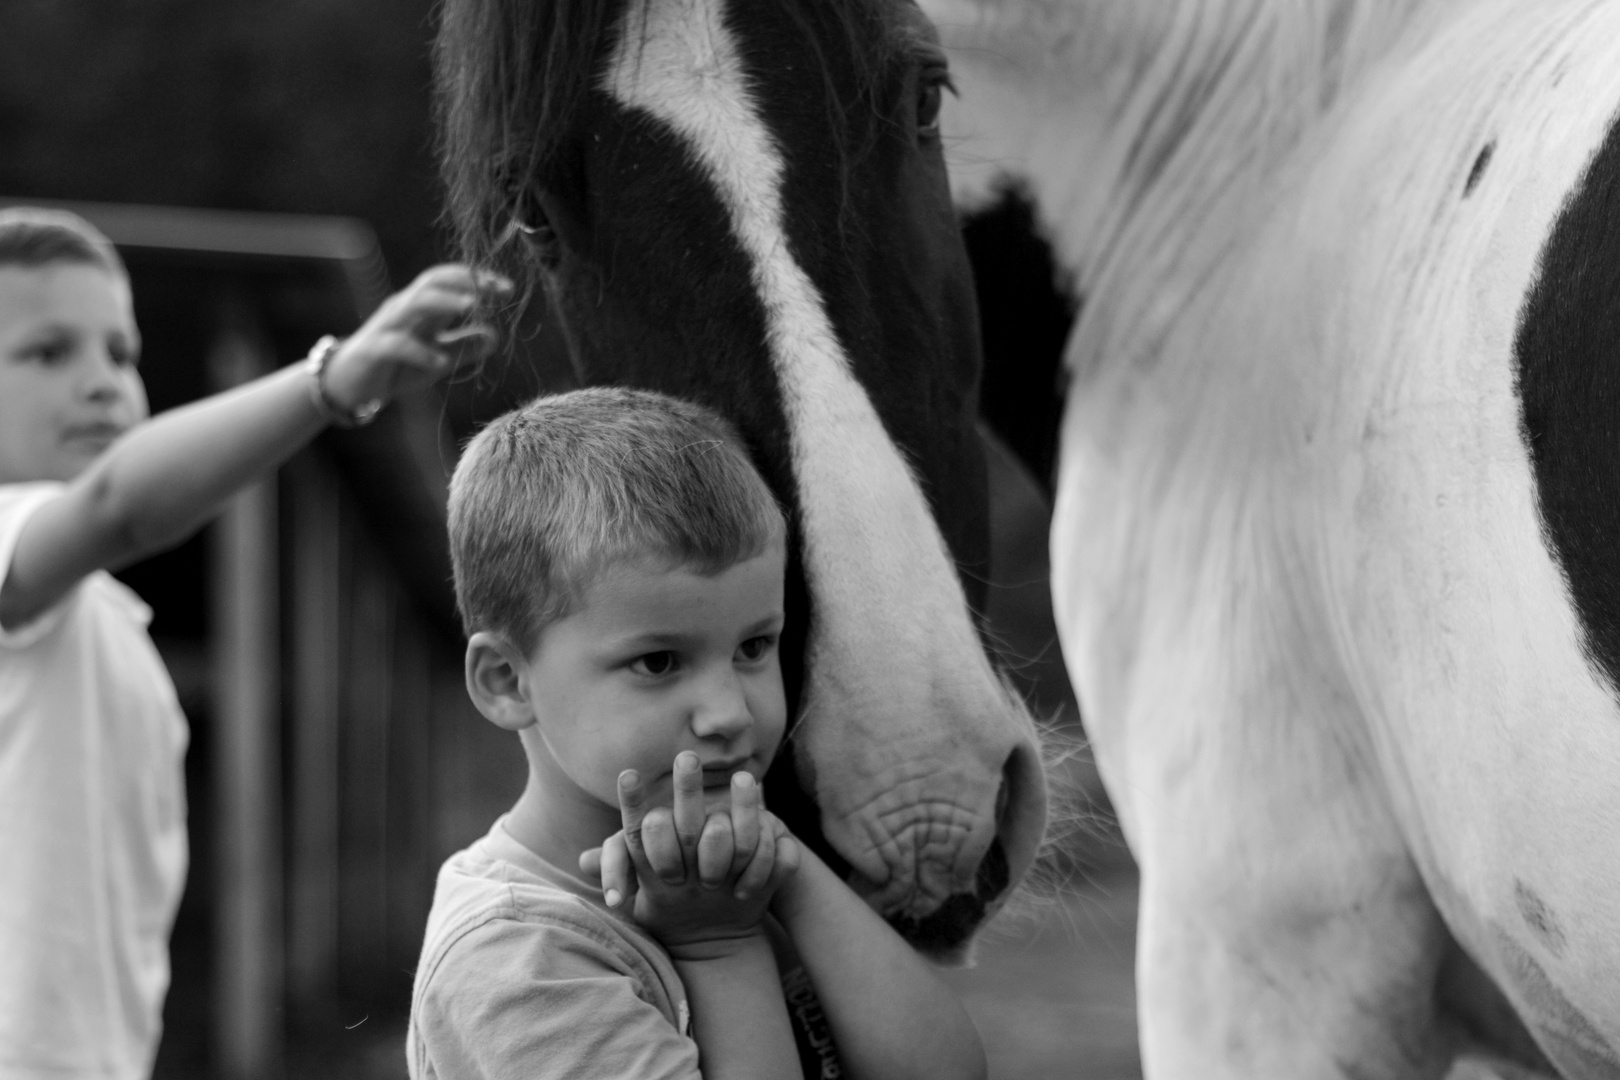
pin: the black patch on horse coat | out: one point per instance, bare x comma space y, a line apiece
1539, 917
1480, 164
1026, 310
1567, 350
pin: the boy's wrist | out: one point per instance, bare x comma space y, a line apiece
320, 392
721, 948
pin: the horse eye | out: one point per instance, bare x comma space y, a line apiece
928, 101
541, 239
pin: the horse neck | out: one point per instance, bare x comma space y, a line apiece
1136, 122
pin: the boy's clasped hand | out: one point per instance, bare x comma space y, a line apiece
694, 876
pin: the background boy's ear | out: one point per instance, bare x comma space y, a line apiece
495, 681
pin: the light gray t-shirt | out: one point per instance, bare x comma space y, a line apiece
526, 973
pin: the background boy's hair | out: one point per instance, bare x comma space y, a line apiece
35, 236
548, 495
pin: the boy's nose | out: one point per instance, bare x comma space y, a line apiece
721, 710
103, 379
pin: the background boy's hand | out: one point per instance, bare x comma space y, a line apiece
416, 336
697, 882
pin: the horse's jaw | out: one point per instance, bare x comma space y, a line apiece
936, 830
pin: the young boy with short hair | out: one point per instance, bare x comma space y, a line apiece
92, 803
619, 568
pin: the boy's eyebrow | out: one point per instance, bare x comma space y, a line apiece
668, 638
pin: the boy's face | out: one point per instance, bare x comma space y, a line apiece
68, 384
657, 660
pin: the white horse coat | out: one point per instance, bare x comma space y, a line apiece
1320, 629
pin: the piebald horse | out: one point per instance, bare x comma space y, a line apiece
746, 204
1337, 540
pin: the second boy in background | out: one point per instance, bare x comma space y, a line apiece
619, 568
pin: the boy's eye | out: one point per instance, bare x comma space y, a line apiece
46, 352
654, 663
756, 648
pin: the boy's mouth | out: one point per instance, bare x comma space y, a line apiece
98, 434
719, 776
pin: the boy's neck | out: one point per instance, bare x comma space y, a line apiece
559, 833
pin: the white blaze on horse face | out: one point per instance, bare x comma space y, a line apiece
906, 729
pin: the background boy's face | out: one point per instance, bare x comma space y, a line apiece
68, 384
655, 661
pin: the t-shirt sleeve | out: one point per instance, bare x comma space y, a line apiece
17, 504
526, 1000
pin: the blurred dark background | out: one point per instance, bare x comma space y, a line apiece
310, 106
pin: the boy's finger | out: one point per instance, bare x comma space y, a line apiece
618, 877
744, 819
632, 811
688, 800
758, 872
714, 851
477, 335
787, 860
662, 846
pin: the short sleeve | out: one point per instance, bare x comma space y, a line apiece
17, 504
520, 1000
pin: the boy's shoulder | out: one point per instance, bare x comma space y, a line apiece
114, 604
497, 895
513, 940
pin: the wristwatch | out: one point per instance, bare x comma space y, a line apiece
319, 356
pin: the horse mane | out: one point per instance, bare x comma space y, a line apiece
512, 76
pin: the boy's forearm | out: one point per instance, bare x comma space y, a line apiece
890, 1015
739, 1018
157, 485
171, 474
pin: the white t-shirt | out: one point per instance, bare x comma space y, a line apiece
92, 828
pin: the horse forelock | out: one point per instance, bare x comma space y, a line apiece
513, 77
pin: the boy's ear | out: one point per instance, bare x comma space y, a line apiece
495, 681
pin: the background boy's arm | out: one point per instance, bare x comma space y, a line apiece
167, 476
890, 1015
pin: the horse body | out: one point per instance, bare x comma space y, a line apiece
1330, 552
704, 223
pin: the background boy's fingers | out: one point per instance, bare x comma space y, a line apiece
688, 800
413, 352
714, 850
745, 822
662, 846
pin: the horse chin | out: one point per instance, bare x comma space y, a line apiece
945, 935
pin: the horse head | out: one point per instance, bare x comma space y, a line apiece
746, 204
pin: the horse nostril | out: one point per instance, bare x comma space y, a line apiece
1020, 821
994, 873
